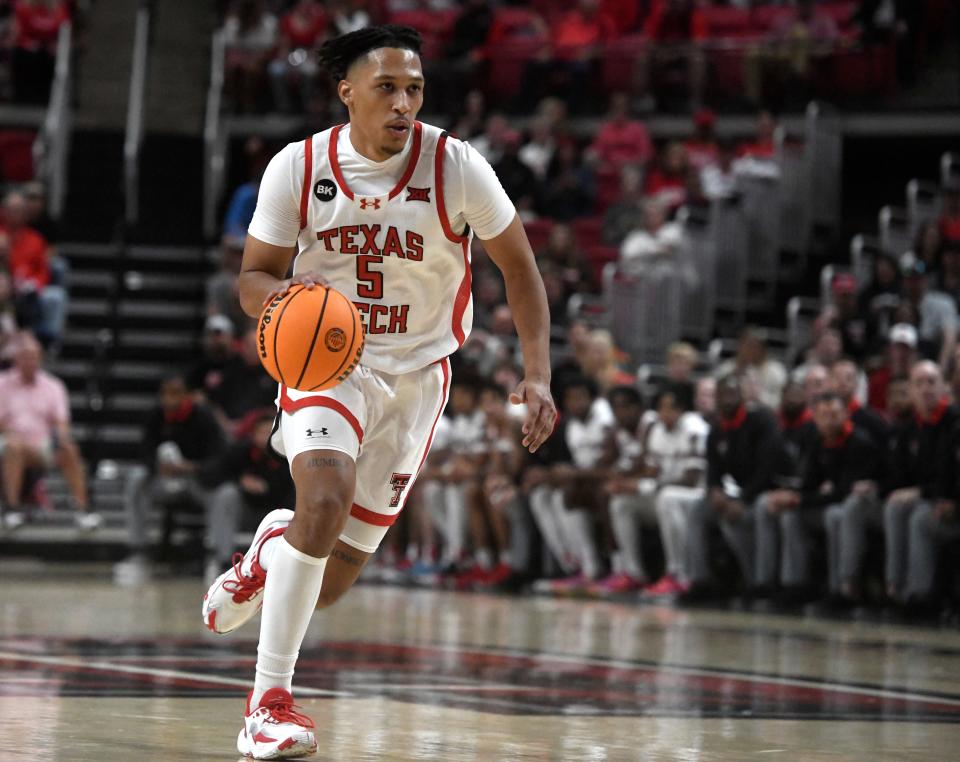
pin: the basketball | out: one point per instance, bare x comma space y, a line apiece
310, 339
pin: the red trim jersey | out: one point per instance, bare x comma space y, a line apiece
393, 236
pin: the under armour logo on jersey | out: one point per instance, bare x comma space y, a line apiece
365, 202
418, 194
321, 432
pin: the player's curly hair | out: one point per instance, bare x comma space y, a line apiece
339, 53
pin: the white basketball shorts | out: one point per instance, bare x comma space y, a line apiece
384, 422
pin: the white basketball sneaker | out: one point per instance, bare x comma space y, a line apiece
237, 594
275, 730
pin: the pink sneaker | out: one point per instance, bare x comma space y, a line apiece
615, 584
565, 586
666, 586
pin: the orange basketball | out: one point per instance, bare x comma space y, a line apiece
310, 339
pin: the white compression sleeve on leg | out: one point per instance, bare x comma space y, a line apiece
626, 530
542, 510
456, 521
289, 599
581, 530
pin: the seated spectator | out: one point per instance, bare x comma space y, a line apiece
762, 147
302, 29
620, 140
656, 239
838, 489
847, 382
562, 251
600, 363
41, 304
675, 30
880, 298
844, 315
827, 348
566, 520
703, 149
949, 222
457, 70
626, 213
36, 26
491, 142
816, 382
244, 387
222, 288
900, 356
347, 16
948, 278
181, 439
37, 215
247, 482
8, 316
670, 180
219, 351
937, 326
900, 414
786, 61
35, 433
795, 419
537, 152
742, 451
570, 187
718, 179
705, 399
927, 244
752, 356
468, 119
922, 475
250, 35
517, 179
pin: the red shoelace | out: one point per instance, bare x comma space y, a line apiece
283, 709
242, 587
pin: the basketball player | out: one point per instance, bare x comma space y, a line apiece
383, 209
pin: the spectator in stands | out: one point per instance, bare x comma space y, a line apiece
36, 26
246, 482
838, 480
816, 382
879, 298
302, 29
620, 140
718, 179
846, 381
900, 356
41, 304
250, 35
576, 501
705, 399
762, 147
703, 149
464, 56
949, 221
844, 314
181, 438
570, 187
752, 356
626, 213
491, 142
8, 314
671, 181
826, 350
469, 119
600, 362
348, 16
222, 291
517, 179
243, 389
676, 30
35, 433
37, 213
244, 199
900, 413
219, 351
927, 244
937, 327
742, 450
796, 422
948, 277
922, 476
537, 152
562, 251
657, 239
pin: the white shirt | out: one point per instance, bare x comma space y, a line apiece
678, 451
374, 230
586, 439
467, 434
640, 245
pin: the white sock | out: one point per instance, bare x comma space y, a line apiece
626, 530
289, 599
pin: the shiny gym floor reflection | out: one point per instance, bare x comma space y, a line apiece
89, 671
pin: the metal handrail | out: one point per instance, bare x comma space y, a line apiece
214, 144
133, 140
51, 149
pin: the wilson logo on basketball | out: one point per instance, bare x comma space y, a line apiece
265, 320
335, 340
418, 194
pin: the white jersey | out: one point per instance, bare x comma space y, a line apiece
586, 439
393, 236
675, 452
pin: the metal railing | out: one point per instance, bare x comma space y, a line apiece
133, 140
214, 141
51, 149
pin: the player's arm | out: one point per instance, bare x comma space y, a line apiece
511, 252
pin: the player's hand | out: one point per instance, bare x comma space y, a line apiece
308, 280
541, 412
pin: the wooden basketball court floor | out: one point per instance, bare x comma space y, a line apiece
89, 671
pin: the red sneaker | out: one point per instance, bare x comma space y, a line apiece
275, 729
666, 587
615, 584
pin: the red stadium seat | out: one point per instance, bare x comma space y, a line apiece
506, 66
16, 155
588, 231
538, 231
514, 22
722, 21
599, 255
763, 17
433, 25
618, 62
608, 187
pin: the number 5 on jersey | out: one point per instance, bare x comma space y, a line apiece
369, 282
